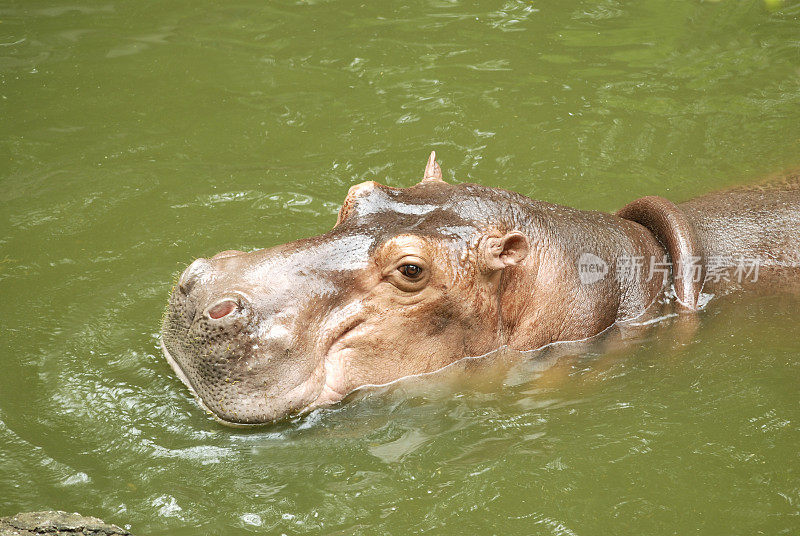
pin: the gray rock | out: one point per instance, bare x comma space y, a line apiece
51, 523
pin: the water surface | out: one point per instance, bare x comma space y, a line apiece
135, 137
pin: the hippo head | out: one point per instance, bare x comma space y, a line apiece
407, 282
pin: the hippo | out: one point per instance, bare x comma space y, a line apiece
412, 280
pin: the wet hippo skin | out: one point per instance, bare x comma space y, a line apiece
411, 280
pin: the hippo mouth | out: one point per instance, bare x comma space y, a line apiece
178, 370
333, 383
237, 418
231, 373
323, 387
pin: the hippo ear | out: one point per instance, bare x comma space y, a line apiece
433, 173
497, 253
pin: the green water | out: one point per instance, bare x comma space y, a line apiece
137, 136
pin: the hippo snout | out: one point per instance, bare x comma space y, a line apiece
193, 274
229, 334
197, 293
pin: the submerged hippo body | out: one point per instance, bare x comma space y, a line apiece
412, 280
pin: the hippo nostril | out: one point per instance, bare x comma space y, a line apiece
192, 274
222, 309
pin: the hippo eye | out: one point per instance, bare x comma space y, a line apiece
411, 271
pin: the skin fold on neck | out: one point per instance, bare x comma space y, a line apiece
543, 300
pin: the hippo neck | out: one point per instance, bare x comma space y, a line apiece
548, 292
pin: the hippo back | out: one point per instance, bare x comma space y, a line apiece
755, 224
